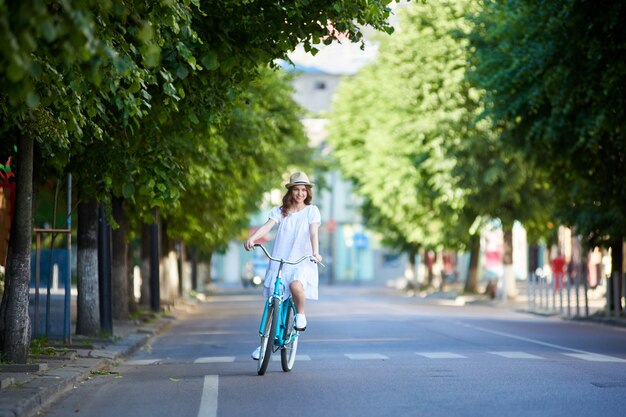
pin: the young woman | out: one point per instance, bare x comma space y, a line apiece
297, 236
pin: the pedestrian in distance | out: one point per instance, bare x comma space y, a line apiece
298, 223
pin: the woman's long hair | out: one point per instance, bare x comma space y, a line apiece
289, 202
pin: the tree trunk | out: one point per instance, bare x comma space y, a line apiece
209, 279
130, 279
429, 262
508, 289
168, 267
194, 270
119, 259
155, 259
144, 265
15, 330
412, 253
183, 285
471, 283
533, 259
88, 300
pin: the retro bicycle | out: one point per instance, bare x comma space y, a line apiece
277, 329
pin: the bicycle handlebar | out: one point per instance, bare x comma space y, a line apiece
285, 261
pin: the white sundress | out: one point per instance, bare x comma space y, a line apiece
293, 241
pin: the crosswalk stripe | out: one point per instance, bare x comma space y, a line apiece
441, 355
592, 357
365, 356
595, 357
215, 359
516, 355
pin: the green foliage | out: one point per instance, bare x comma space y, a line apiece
406, 131
387, 133
135, 98
237, 161
554, 75
100, 81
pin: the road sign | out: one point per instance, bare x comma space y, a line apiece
360, 240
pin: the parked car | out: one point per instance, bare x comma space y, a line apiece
254, 272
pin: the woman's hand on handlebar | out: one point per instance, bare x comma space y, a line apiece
248, 244
317, 258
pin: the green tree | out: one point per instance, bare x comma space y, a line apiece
49, 60
554, 75
83, 77
392, 125
260, 138
406, 131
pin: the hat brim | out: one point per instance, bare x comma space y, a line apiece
291, 184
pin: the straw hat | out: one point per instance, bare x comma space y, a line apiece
299, 178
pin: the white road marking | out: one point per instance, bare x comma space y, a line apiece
441, 355
142, 362
595, 357
208, 403
525, 339
365, 356
215, 359
581, 354
587, 356
516, 355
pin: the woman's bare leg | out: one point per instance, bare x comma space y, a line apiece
297, 293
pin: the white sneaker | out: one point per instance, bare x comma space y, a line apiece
300, 324
256, 354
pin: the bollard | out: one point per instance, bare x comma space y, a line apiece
528, 284
607, 306
577, 295
540, 289
561, 300
545, 293
554, 293
585, 287
569, 303
534, 290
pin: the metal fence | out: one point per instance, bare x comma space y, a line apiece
50, 312
568, 295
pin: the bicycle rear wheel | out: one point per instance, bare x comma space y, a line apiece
267, 338
288, 352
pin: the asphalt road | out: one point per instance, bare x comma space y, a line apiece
367, 352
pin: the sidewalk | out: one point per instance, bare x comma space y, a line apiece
453, 295
25, 389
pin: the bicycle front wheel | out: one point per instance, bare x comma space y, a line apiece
267, 338
288, 352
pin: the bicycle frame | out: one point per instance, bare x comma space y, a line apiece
283, 310
283, 307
